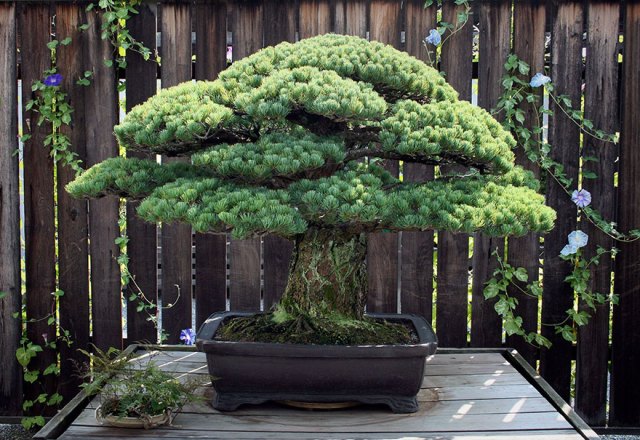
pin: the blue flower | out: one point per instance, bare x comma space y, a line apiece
188, 336
581, 198
53, 80
434, 37
539, 80
578, 239
568, 250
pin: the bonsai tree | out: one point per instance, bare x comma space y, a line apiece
289, 141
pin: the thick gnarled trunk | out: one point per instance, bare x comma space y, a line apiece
327, 275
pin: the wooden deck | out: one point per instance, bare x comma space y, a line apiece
465, 395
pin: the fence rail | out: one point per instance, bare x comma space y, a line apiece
70, 245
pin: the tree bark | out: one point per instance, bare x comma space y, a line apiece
328, 275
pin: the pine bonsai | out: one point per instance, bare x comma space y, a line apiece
289, 141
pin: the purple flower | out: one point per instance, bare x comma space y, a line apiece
188, 336
53, 80
539, 80
578, 239
581, 198
434, 37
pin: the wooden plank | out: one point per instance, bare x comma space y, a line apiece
416, 279
600, 106
279, 22
143, 239
495, 34
91, 433
244, 255
625, 382
101, 105
279, 25
564, 136
382, 253
211, 249
453, 249
466, 358
39, 209
10, 284
528, 44
176, 238
74, 305
314, 18
356, 18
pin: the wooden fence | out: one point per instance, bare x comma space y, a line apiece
578, 41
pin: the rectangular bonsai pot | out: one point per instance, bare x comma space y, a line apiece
252, 372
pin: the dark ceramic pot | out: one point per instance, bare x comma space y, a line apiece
252, 372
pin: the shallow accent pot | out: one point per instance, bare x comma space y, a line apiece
133, 422
254, 372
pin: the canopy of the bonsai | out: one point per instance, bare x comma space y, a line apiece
292, 137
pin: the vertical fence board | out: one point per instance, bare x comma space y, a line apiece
279, 25
356, 18
211, 249
142, 246
564, 136
10, 298
315, 18
528, 45
416, 271
244, 255
176, 238
101, 106
38, 196
625, 381
453, 249
382, 252
601, 106
74, 305
495, 34
279, 22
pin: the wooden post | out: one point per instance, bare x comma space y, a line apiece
211, 249
453, 249
40, 258
495, 35
10, 288
601, 107
176, 238
564, 136
382, 257
142, 247
528, 45
416, 271
625, 377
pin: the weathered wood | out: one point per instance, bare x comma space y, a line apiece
564, 136
279, 22
176, 238
382, 253
279, 25
625, 382
314, 18
244, 255
356, 17
40, 256
143, 240
600, 106
453, 249
528, 45
74, 305
211, 249
416, 270
101, 114
10, 284
495, 34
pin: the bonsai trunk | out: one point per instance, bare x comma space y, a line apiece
327, 275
